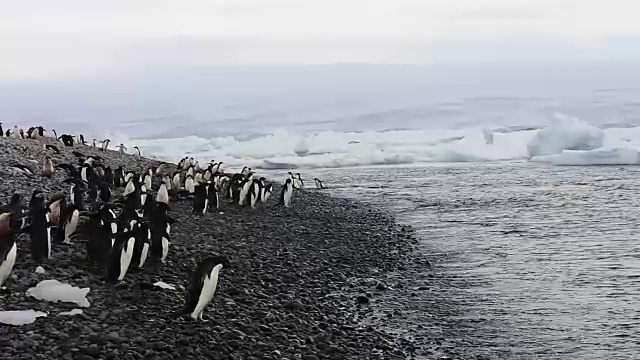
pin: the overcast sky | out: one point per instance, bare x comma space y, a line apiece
59, 38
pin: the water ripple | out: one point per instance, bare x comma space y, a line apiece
543, 261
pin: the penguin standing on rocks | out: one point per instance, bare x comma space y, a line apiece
286, 193
212, 195
121, 255
300, 182
72, 215
8, 247
1, 131
244, 191
200, 199
267, 190
202, 287
47, 167
122, 149
142, 235
105, 144
39, 228
138, 155
255, 191
67, 140
51, 147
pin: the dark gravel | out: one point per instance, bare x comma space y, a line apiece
302, 281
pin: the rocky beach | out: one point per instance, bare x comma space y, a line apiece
304, 282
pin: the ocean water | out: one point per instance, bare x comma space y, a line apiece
543, 261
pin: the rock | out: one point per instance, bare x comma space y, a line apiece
361, 299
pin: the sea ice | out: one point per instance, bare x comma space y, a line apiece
20, 317
53, 290
40, 270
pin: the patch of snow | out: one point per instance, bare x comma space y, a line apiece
40, 270
164, 285
20, 317
53, 290
72, 312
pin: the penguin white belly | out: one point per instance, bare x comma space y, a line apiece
114, 228
70, 227
287, 197
125, 258
254, 199
165, 249
243, 194
168, 229
49, 237
266, 196
143, 256
83, 174
217, 201
208, 290
7, 264
147, 182
143, 198
206, 206
71, 192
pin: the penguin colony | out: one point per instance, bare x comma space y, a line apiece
125, 233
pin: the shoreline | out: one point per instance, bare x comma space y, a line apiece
293, 290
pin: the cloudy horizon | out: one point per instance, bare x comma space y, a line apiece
66, 38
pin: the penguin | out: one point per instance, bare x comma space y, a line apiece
200, 199
51, 147
142, 235
160, 170
138, 154
82, 141
105, 144
122, 149
285, 194
318, 183
30, 132
47, 167
39, 227
76, 191
300, 183
268, 189
108, 176
246, 185
16, 209
243, 171
199, 178
160, 235
146, 180
1, 130
104, 192
254, 192
121, 255
175, 181
118, 177
129, 189
163, 195
8, 133
86, 173
203, 284
189, 184
17, 133
143, 194
57, 204
8, 247
24, 169
71, 223
212, 195
94, 143
67, 140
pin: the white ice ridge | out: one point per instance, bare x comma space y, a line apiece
164, 285
53, 290
20, 317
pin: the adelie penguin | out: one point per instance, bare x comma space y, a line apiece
202, 287
39, 228
67, 140
142, 246
51, 147
286, 193
47, 167
318, 183
121, 255
8, 247
200, 199
72, 216
105, 144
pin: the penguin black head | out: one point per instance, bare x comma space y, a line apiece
288, 182
37, 194
15, 199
